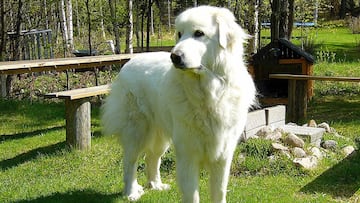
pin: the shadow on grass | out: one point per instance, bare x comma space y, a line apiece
30, 155
341, 180
335, 108
28, 134
77, 196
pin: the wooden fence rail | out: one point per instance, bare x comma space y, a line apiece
297, 92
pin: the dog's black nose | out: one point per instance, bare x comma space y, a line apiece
177, 59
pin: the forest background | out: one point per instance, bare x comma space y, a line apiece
93, 24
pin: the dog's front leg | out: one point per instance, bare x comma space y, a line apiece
219, 177
187, 171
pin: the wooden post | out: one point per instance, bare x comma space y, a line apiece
78, 123
290, 112
297, 100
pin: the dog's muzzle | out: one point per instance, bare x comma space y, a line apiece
177, 59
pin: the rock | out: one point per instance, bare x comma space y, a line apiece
348, 150
329, 144
309, 162
294, 141
274, 136
298, 152
312, 123
314, 135
316, 152
325, 126
279, 147
264, 132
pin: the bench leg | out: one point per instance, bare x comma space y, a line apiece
78, 123
3, 86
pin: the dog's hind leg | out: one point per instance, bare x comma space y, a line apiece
133, 191
153, 161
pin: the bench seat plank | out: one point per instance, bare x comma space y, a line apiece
80, 93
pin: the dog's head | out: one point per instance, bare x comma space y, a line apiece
204, 34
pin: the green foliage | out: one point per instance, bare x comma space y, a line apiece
260, 148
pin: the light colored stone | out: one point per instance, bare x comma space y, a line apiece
316, 152
309, 134
279, 147
329, 144
312, 123
348, 150
274, 136
325, 126
264, 132
298, 152
279, 130
309, 162
294, 141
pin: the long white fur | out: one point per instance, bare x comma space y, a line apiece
202, 110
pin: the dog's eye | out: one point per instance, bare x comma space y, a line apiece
198, 33
179, 35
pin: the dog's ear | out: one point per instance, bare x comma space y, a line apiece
230, 33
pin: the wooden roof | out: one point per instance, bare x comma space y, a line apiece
281, 49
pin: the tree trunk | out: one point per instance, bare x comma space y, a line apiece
69, 19
112, 5
256, 26
130, 27
148, 25
102, 22
46, 14
286, 19
89, 25
275, 20
2, 29
77, 19
64, 27
169, 14
3, 91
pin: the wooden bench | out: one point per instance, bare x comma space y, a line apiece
78, 114
297, 92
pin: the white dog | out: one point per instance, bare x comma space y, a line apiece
197, 97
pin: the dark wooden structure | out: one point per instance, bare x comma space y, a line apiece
281, 57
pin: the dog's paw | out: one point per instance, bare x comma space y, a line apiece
136, 192
158, 186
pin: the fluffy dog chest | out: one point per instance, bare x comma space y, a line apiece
205, 104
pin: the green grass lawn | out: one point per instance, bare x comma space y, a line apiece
37, 166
